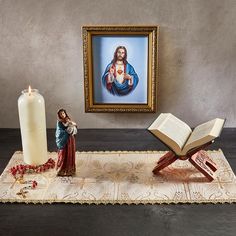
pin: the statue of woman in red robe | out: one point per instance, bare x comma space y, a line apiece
65, 140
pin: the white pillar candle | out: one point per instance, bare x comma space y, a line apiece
31, 108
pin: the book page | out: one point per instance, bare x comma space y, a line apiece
171, 129
175, 129
204, 133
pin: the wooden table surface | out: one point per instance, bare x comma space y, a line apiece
74, 219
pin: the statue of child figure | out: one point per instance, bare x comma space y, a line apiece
65, 139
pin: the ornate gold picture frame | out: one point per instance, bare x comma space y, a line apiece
120, 68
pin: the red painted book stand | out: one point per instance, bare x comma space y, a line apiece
197, 157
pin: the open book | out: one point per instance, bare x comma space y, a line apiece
179, 137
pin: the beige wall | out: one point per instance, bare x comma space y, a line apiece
41, 45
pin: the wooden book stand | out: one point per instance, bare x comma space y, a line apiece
197, 157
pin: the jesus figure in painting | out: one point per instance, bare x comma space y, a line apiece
120, 77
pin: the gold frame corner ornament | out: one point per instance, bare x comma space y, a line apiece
152, 32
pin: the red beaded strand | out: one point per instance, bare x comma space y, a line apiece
18, 171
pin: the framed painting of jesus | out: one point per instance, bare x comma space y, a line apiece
120, 68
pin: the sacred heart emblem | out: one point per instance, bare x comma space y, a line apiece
119, 71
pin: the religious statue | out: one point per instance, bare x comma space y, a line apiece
120, 77
65, 139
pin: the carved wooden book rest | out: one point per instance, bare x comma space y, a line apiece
197, 157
